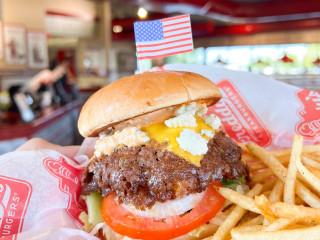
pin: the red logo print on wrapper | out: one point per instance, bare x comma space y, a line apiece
14, 200
309, 114
238, 119
69, 183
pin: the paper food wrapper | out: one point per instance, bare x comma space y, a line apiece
39, 190
39, 196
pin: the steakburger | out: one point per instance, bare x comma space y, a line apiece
158, 157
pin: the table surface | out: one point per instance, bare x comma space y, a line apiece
45, 118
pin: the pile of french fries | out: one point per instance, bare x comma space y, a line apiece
284, 197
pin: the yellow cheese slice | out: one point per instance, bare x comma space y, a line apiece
161, 133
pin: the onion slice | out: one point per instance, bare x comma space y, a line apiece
169, 208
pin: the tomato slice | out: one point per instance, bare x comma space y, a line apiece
127, 224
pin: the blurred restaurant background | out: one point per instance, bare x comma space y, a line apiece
55, 54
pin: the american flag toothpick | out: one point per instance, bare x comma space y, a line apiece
163, 37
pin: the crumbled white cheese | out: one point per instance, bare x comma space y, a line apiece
192, 108
97, 153
208, 133
102, 135
201, 109
186, 108
101, 145
192, 142
129, 136
184, 120
213, 121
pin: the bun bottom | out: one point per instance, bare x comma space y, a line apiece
202, 232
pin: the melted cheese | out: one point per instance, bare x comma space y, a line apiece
161, 133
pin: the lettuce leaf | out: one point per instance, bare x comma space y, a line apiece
233, 183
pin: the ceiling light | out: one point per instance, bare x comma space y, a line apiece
142, 13
117, 29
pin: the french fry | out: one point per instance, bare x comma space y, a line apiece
256, 166
239, 199
306, 150
310, 233
310, 162
247, 217
314, 156
234, 217
248, 158
299, 201
281, 172
204, 231
289, 185
268, 185
279, 224
266, 193
301, 225
228, 210
303, 180
264, 206
312, 148
307, 196
299, 213
254, 221
284, 159
221, 217
291, 175
276, 192
250, 228
313, 181
314, 171
261, 176
244, 148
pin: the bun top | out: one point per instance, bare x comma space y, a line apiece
144, 93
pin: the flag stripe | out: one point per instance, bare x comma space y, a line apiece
177, 23
163, 43
160, 41
176, 26
165, 55
177, 35
174, 18
163, 49
176, 44
164, 24
177, 29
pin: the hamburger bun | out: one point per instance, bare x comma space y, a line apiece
138, 94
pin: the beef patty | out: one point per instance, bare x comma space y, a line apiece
145, 174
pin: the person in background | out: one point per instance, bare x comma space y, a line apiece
64, 81
41, 87
53, 85
44, 77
